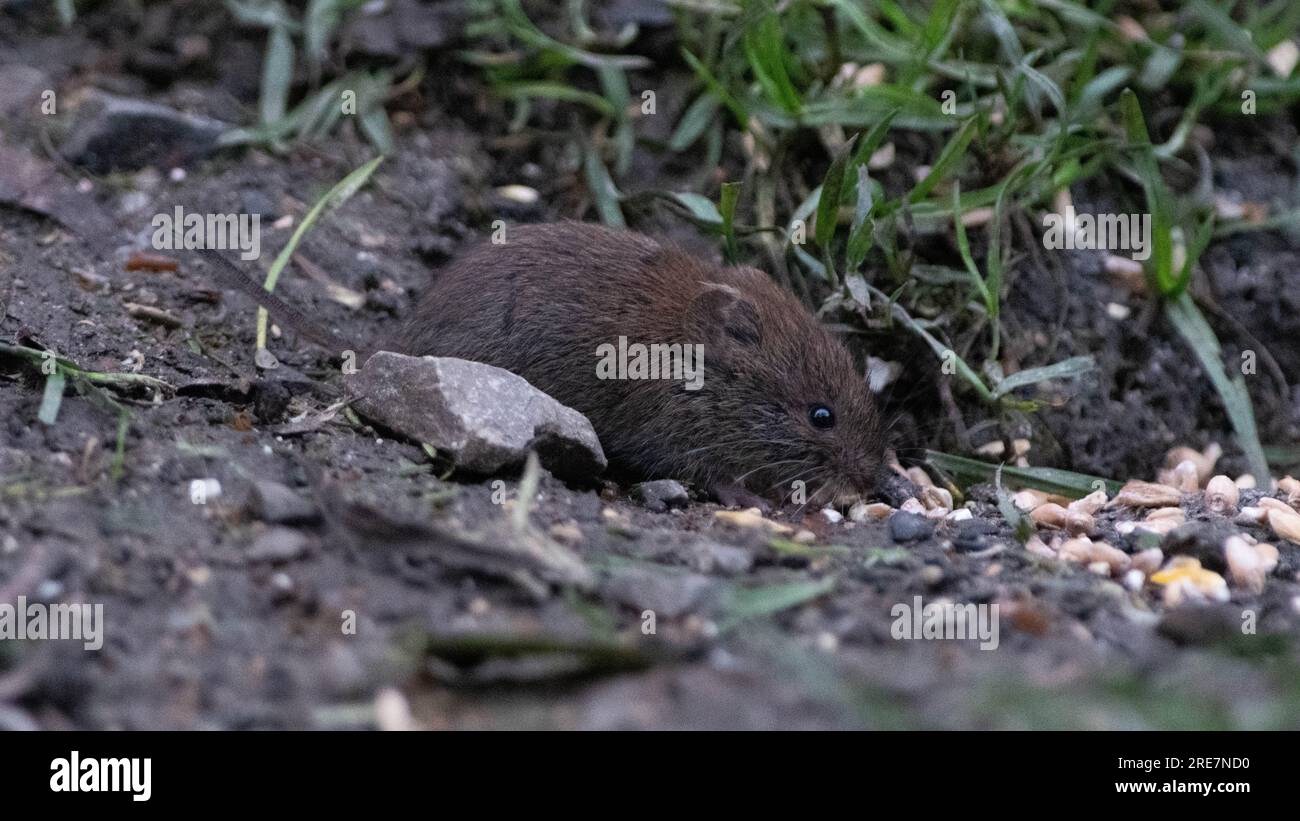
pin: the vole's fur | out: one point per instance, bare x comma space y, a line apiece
541, 304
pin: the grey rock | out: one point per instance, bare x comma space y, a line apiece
974, 535
111, 133
725, 559
274, 503
257, 202
1200, 624
661, 494
668, 594
909, 527
483, 417
278, 544
20, 91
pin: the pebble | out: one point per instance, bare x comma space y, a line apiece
278, 544
661, 494
908, 527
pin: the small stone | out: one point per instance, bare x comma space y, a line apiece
485, 418
274, 503
832, 515
909, 527
278, 544
669, 595
111, 133
661, 494
567, 532
1206, 624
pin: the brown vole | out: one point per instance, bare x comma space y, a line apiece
780, 399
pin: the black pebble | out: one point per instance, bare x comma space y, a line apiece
909, 527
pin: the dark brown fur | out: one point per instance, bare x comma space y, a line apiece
542, 302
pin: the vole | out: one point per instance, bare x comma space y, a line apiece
779, 400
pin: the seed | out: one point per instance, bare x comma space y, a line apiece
1077, 550
1137, 493
933, 497
1185, 580
1252, 516
1053, 515
1134, 580
919, 477
1036, 546
1117, 560
750, 519
1028, 500
1203, 460
1185, 477
1291, 487
863, 512
1159, 527
1269, 503
1159, 513
1221, 495
1248, 563
1089, 504
913, 506
1149, 560
1286, 525
993, 449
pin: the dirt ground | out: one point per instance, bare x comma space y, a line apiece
217, 618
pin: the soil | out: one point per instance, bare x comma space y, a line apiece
360, 618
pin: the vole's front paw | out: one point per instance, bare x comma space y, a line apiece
732, 495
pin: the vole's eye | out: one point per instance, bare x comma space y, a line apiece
821, 417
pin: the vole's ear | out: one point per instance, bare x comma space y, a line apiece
722, 313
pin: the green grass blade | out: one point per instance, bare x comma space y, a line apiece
1070, 484
1074, 366
336, 196
52, 398
1191, 324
